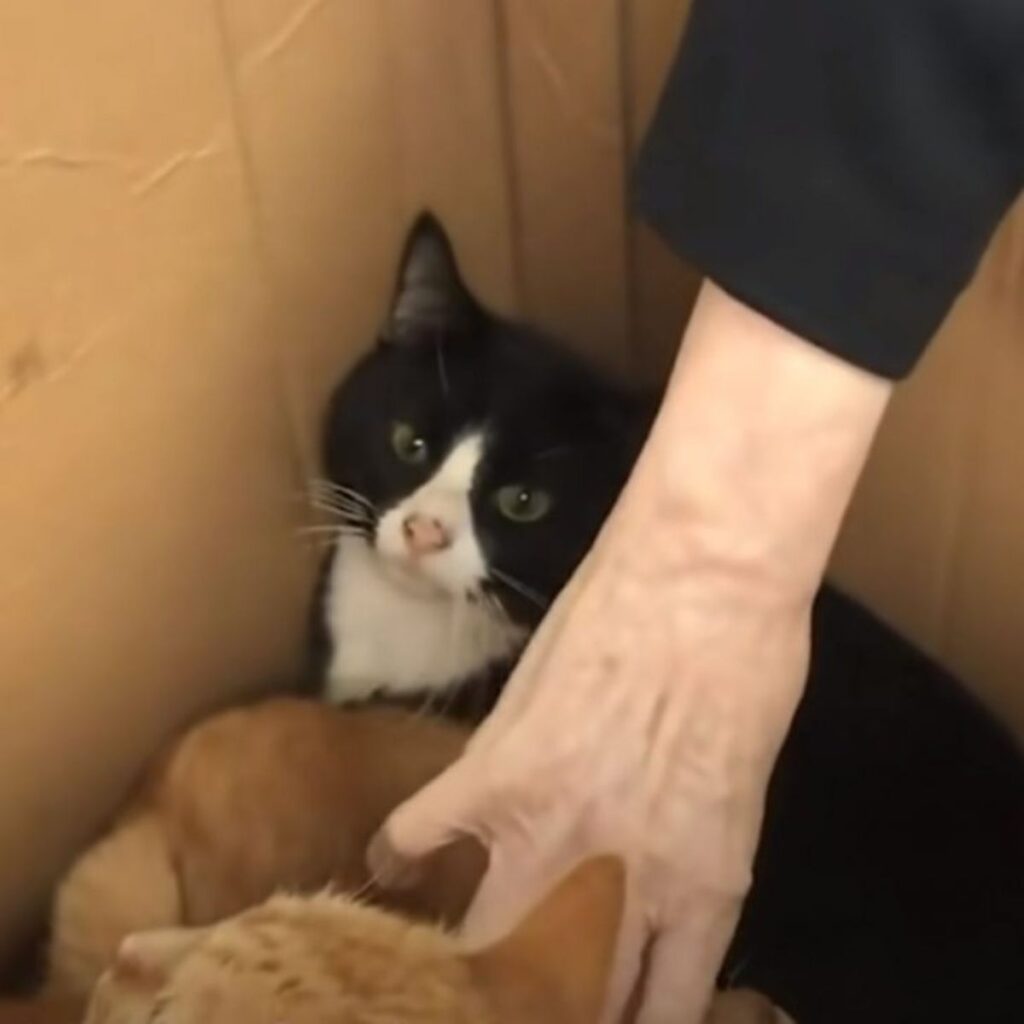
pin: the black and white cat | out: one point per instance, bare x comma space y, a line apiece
470, 462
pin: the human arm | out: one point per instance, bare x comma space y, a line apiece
645, 716
839, 167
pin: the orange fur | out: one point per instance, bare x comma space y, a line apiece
303, 960
284, 795
125, 883
325, 958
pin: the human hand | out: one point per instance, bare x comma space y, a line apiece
646, 714
643, 721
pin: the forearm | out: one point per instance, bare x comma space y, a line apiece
755, 453
646, 714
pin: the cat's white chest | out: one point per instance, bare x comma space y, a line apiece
391, 640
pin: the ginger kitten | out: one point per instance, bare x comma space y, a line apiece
302, 787
279, 795
326, 958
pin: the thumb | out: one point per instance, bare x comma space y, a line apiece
684, 963
443, 811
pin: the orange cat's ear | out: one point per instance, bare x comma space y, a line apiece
555, 965
150, 957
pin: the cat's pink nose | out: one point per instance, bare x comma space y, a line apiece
425, 534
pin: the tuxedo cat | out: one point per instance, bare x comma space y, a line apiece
470, 462
470, 465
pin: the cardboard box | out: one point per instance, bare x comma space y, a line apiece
200, 208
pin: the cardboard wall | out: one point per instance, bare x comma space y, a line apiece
200, 207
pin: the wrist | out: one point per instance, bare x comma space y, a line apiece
754, 455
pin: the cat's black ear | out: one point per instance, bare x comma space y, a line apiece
430, 295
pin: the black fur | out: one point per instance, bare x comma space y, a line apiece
446, 364
889, 886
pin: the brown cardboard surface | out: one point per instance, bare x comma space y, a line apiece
200, 207
566, 90
315, 120
146, 469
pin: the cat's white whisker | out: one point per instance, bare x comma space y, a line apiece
332, 531
363, 891
349, 513
340, 491
523, 589
338, 498
342, 523
499, 606
341, 510
334, 528
491, 601
358, 524
448, 699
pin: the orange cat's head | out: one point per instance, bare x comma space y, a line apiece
302, 960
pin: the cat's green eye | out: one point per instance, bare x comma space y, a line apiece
408, 445
522, 504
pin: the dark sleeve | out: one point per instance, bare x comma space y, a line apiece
840, 165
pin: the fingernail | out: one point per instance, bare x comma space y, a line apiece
389, 870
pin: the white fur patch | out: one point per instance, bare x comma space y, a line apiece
457, 569
401, 624
389, 638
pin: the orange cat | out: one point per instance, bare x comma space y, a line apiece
283, 795
311, 960
280, 795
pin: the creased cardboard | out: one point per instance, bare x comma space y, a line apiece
200, 208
